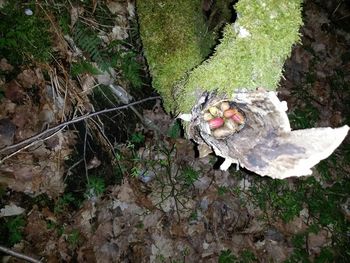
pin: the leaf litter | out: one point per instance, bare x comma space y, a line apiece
171, 206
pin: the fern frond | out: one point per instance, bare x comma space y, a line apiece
90, 43
83, 67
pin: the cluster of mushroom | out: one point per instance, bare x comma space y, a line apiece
223, 119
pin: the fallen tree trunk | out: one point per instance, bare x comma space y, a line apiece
230, 99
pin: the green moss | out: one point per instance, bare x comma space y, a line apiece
24, 37
175, 40
255, 60
251, 53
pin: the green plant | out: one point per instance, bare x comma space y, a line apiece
63, 203
83, 67
140, 225
95, 187
50, 225
126, 60
247, 257
88, 40
160, 257
300, 253
64, 21
222, 190
59, 229
11, 230
42, 200
119, 168
304, 118
131, 68
15, 227
135, 172
137, 138
29, 37
193, 216
323, 169
226, 256
189, 175
175, 130
276, 195
102, 13
326, 255
74, 238
112, 56
322, 201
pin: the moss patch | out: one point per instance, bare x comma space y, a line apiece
251, 53
175, 40
24, 37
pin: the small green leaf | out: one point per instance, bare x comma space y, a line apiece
227, 257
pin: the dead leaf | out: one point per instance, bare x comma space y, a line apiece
4, 66
204, 150
131, 8
86, 254
7, 132
11, 210
319, 240
84, 218
277, 252
25, 118
119, 33
14, 91
46, 116
116, 7
27, 78
87, 83
7, 107
75, 12
93, 163
24, 173
36, 229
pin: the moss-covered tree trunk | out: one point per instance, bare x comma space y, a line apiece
242, 72
175, 40
251, 52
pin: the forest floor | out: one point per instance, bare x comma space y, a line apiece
110, 189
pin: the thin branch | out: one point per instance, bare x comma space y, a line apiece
72, 167
104, 136
54, 129
84, 154
29, 145
19, 255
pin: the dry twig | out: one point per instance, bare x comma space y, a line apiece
19, 255
47, 133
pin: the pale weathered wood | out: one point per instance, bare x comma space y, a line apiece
266, 145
